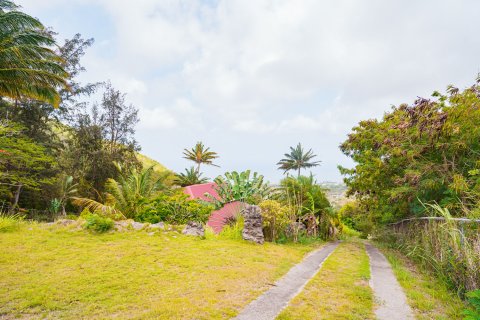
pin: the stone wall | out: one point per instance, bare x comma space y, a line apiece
253, 225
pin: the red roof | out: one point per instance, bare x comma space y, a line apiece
219, 217
197, 191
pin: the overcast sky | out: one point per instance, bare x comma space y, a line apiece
251, 78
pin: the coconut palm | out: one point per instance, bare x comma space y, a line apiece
297, 159
190, 177
127, 196
29, 68
199, 154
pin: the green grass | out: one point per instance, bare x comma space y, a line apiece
148, 162
56, 272
9, 223
428, 297
339, 291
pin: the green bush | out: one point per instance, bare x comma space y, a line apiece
474, 300
175, 209
275, 218
97, 223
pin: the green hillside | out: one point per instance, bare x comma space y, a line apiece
148, 162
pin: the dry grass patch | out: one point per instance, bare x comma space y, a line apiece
54, 272
339, 291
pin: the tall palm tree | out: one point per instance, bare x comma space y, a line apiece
199, 154
297, 159
29, 68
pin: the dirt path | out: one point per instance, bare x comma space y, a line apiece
388, 293
269, 304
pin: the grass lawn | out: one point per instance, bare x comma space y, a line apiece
428, 297
54, 272
339, 291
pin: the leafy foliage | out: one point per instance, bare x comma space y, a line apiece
176, 209
98, 223
234, 186
28, 66
23, 164
474, 300
128, 196
297, 159
425, 152
307, 204
275, 218
190, 177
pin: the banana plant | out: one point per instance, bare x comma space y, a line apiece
243, 186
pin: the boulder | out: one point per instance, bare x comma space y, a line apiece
253, 224
65, 222
158, 225
194, 228
137, 225
121, 225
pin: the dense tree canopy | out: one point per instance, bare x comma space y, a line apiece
420, 153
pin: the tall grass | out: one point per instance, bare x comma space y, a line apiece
449, 248
9, 223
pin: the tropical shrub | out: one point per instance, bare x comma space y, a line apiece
306, 193
190, 177
307, 204
234, 186
98, 223
176, 208
233, 230
275, 218
127, 197
354, 217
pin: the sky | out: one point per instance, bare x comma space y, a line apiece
250, 78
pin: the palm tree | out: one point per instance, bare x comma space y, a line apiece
199, 154
68, 191
128, 196
29, 68
297, 160
190, 177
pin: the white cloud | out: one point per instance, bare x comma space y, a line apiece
285, 71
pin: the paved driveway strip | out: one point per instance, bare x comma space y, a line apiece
388, 293
269, 304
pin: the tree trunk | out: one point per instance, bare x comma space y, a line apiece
198, 167
17, 196
298, 172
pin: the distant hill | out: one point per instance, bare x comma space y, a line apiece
336, 193
147, 162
